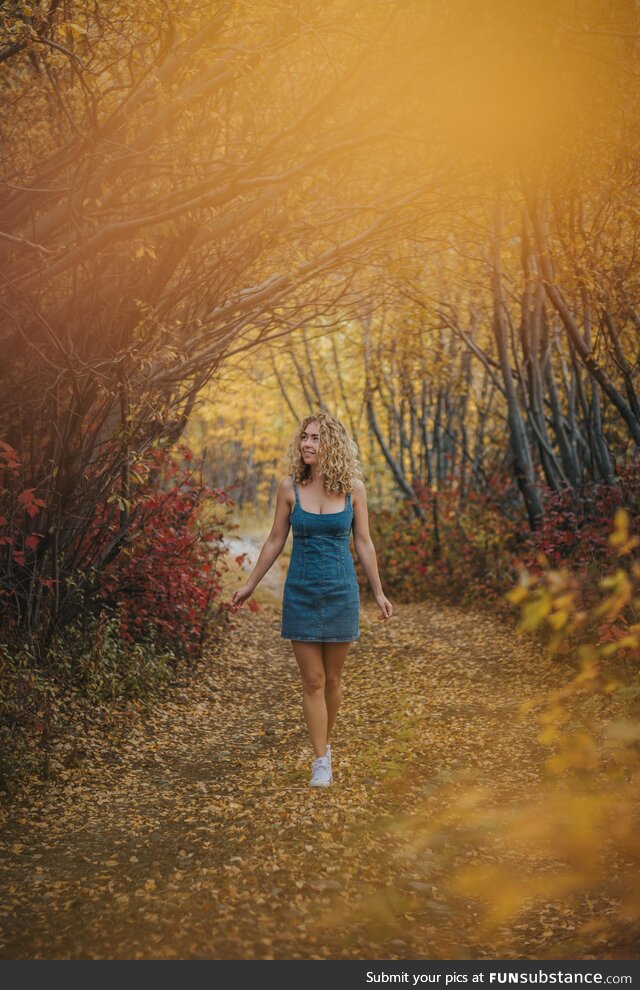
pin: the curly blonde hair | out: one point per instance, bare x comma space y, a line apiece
338, 460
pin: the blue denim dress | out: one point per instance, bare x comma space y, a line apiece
321, 600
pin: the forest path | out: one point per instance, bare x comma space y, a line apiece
198, 837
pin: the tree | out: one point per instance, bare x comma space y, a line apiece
187, 181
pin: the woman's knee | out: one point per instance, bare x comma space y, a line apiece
313, 683
333, 681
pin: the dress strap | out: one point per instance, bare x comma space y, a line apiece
295, 488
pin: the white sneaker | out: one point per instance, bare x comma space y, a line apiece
321, 775
328, 755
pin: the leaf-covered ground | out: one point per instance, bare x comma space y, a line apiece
197, 836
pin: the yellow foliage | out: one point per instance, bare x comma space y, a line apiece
534, 612
517, 595
548, 735
620, 536
582, 823
621, 594
559, 619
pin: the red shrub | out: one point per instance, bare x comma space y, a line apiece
576, 524
166, 579
462, 552
470, 550
18, 538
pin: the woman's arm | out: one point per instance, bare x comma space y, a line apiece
365, 548
273, 545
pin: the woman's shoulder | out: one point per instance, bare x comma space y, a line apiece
286, 491
357, 492
286, 488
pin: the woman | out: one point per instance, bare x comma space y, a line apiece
321, 603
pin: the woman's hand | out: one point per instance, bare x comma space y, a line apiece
385, 606
240, 596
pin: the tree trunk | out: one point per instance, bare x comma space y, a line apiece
582, 350
522, 462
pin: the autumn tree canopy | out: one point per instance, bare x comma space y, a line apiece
185, 181
510, 311
176, 178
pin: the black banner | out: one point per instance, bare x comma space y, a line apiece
323, 974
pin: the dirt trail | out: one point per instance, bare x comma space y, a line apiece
198, 837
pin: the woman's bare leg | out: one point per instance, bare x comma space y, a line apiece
314, 706
333, 657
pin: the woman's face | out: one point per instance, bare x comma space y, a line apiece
310, 443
